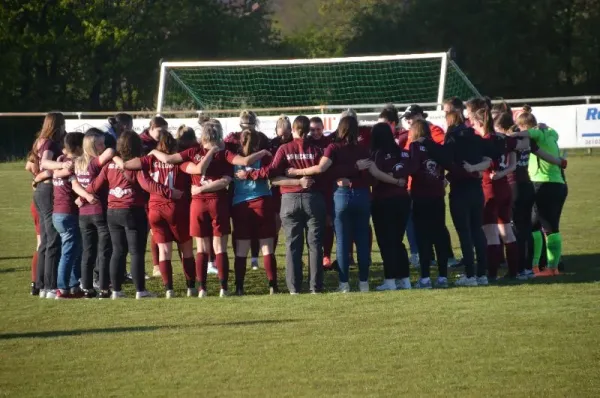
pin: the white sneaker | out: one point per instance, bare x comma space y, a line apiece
192, 292
388, 284
156, 271
117, 295
467, 282
344, 287
51, 294
212, 270
223, 293
42, 293
146, 277
254, 263
144, 294
363, 287
414, 260
482, 281
403, 284
169, 294
202, 293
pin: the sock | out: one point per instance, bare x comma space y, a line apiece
189, 270
537, 247
554, 249
154, 250
239, 267
34, 262
493, 254
223, 267
254, 248
512, 258
328, 241
201, 269
271, 268
166, 272
544, 255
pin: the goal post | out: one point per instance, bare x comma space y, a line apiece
310, 84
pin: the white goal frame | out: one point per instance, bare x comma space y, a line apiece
443, 56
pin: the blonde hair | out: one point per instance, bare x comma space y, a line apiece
526, 119
248, 120
283, 123
212, 132
89, 151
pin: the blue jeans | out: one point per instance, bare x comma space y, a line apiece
411, 235
352, 211
69, 266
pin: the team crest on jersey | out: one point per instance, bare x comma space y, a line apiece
431, 167
119, 192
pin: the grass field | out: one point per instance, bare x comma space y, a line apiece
534, 339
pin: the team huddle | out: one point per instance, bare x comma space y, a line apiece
99, 195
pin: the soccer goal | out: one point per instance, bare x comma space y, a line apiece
323, 84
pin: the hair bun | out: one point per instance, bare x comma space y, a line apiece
526, 108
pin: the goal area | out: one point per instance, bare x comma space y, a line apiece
322, 84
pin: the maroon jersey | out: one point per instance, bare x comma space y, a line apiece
85, 178
219, 167
395, 163
322, 142
344, 157
364, 137
125, 188
298, 154
501, 186
165, 174
427, 177
48, 145
401, 138
148, 143
64, 197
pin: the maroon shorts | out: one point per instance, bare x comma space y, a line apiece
169, 223
209, 217
254, 219
497, 210
36, 218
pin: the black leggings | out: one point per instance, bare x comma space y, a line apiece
550, 198
49, 250
128, 229
466, 208
523, 200
97, 249
390, 216
429, 217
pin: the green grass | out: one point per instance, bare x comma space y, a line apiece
534, 339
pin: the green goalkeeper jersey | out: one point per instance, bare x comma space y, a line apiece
539, 169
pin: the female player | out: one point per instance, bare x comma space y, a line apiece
429, 210
32, 167
390, 206
550, 192
351, 199
168, 217
126, 215
96, 243
47, 147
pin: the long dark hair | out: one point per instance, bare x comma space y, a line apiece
382, 140
129, 145
347, 130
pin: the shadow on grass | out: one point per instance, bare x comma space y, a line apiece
127, 329
16, 258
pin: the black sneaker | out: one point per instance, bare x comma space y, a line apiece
89, 294
239, 291
34, 290
104, 294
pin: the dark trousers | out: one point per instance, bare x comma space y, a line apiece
429, 217
550, 198
523, 200
390, 216
128, 229
49, 250
97, 250
300, 211
466, 208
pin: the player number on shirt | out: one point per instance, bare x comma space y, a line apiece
168, 181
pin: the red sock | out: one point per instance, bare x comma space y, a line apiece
223, 267
166, 272
512, 258
270, 263
34, 262
154, 250
201, 269
328, 241
493, 254
239, 267
254, 248
189, 270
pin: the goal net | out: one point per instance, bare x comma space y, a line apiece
311, 84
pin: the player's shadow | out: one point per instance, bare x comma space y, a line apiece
134, 329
